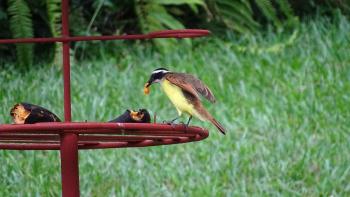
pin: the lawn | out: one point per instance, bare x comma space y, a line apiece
283, 97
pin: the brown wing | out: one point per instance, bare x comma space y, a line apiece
191, 84
179, 81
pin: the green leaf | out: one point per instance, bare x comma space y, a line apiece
193, 4
154, 17
285, 7
268, 10
178, 2
21, 27
54, 15
235, 14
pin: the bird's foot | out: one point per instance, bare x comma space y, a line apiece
171, 122
168, 122
184, 125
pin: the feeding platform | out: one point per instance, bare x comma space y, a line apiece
47, 136
69, 137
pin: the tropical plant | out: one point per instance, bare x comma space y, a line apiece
21, 27
18, 20
248, 16
54, 21
125, 16
154, 15
97, 17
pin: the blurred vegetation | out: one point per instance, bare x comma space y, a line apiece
283, 99
41, 18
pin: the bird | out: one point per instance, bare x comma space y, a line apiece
184, 92
131, 116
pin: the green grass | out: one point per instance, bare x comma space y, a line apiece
286, 111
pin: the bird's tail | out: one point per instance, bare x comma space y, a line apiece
218, 125
203, 114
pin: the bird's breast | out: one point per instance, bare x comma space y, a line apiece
177, 97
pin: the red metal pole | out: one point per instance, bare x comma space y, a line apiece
66, 61
68, 141
69, 165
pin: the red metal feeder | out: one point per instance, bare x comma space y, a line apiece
69, 136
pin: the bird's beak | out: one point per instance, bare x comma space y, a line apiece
149, 82
146, 88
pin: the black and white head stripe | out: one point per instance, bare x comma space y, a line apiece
157, 75
160, 70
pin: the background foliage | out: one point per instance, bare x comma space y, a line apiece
279, 69
41, 18
285, 106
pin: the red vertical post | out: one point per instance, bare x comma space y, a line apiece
68, 141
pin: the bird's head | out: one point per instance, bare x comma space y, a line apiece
156, 76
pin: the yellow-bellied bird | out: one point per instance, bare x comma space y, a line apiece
183, 91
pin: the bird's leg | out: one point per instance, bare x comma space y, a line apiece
189, 120
172, 121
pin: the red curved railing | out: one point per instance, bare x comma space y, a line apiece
46, 136
179, 33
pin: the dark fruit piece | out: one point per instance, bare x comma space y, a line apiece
130, 116
26, 113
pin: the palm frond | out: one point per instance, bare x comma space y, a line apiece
54, 15
54, 18
235, 14
285, 7
269, 11
153, 16
21, 27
